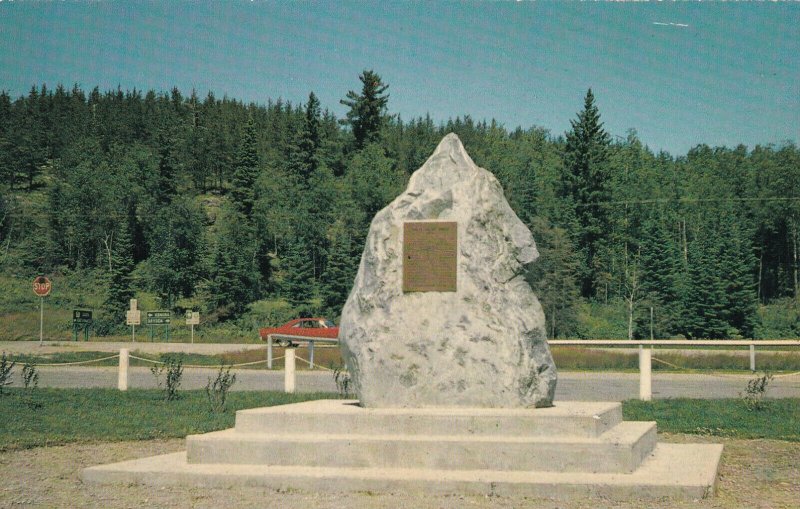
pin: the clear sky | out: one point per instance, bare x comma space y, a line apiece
680, 74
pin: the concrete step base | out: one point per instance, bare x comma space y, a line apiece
571, 449
620, 449
581, 418
671, 470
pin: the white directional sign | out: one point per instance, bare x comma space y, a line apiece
192, 318
133, 317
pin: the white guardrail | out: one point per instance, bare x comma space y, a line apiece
271, 338
646, 354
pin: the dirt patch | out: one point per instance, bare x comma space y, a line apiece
754, 474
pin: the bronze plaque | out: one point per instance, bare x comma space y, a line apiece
430, 253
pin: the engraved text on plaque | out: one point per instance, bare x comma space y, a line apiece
430, 251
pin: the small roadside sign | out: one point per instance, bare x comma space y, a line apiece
192, 318
134, 303
42, 286
133, 317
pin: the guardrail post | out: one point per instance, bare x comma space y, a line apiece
122, 379
310, 355
752, 357
289, 378
645, 374
269, 351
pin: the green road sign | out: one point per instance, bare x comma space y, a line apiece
81, 316
159, 317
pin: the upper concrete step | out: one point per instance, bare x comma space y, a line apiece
672, 470
589, 419
620, 449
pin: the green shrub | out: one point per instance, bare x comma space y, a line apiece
6, 371
217, 390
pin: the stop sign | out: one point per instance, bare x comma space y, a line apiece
42, 286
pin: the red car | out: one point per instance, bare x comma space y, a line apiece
303, 329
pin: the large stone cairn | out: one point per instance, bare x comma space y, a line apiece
482, 345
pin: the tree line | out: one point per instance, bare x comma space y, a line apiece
230, 203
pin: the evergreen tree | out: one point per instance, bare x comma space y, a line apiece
585, 185
367, 109
659, 262
373, 180
705, 298
298, 270
177, 242
120, 286
337, 280
309, 141
234, 281
737, 263
552, 278
245, 172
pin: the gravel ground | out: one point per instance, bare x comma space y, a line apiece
754, 474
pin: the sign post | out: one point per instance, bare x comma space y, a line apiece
133, 317
41, 287
192, 319
81, 321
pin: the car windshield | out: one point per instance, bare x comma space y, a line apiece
329, 323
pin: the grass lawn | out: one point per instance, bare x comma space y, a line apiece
39, 417
779, 420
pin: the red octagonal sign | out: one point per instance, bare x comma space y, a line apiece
42, 286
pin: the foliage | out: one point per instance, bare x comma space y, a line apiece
245, 172
756, 392
367, 109
343, 381
6, 371
30, 376
217, 390
234, 280
171, 368
214, 193
586, 186
299, 276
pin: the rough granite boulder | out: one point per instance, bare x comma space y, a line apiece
483, 345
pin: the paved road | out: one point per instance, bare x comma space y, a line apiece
587, 386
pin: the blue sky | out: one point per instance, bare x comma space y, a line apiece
680, 74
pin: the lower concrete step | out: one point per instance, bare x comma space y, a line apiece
671, 470
620, 449
345, 416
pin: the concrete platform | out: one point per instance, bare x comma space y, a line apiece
590, 452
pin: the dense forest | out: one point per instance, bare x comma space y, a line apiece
216, 205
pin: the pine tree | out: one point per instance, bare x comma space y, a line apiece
234, 276
705, 300
585, 185
337, 280
737, 266
367, 110
120, 285
660, 266
309, 141
245, 172
552, 278
298, 269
